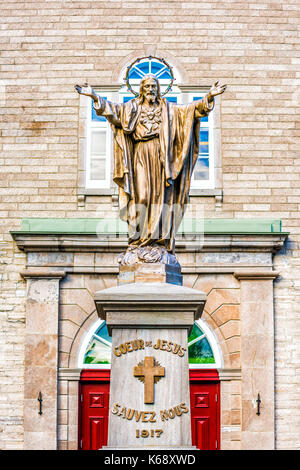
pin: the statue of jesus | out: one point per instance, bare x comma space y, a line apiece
156, 147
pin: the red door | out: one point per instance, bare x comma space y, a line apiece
94, 403
205, 409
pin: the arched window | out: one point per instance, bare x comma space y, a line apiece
98, 155
202, 345
146, 66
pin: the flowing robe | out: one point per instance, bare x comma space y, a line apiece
153, 169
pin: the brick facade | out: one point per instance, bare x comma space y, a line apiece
48, 46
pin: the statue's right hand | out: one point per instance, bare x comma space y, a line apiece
86, 90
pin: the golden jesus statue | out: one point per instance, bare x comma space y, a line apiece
156, 146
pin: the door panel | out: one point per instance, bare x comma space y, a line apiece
201, 436
94, 415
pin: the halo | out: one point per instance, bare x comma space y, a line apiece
163, 61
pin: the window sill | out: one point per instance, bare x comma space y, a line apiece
114, 191
97, 191
206, 192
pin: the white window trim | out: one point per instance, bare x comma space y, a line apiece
101, 125
211, 338
210, 183
84, 345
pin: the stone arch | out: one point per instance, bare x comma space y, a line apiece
78, 312
79, 338
219, 339
222, 313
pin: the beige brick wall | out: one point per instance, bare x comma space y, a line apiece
48, 46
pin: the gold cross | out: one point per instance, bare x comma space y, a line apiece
147, 374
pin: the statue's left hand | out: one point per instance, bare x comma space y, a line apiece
216, 90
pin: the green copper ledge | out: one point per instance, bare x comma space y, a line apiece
113, 226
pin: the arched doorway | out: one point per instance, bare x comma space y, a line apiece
204, 360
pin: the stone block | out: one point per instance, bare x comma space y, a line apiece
150, 272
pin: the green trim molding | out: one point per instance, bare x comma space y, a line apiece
107, 226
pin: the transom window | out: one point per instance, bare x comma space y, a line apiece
99, 135
146, 66
202, 348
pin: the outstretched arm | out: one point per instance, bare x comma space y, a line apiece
207, 103
103, 107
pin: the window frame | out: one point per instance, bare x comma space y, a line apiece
207, 333
93, 126
113, 91
210, 183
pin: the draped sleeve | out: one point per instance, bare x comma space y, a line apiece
111, 111
203, 107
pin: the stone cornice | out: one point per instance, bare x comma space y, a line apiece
69, 374
230, 374
243, 275
42, 274
210, 242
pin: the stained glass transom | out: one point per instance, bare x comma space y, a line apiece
147, 66
98, 350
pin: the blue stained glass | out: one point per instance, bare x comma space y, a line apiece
153, 67
127, 98
139, 70
144, 67
156, 67
200, 351
97, 353
172, 99
203, 135
165, 75
95, 117
134, 75
103, 332
196, 331
203, 149
99, 348
160, 70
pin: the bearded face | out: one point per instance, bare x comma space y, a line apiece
149, 90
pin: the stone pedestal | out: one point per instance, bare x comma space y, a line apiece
149, 394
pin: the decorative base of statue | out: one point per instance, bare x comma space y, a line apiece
149, 392
149, 264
